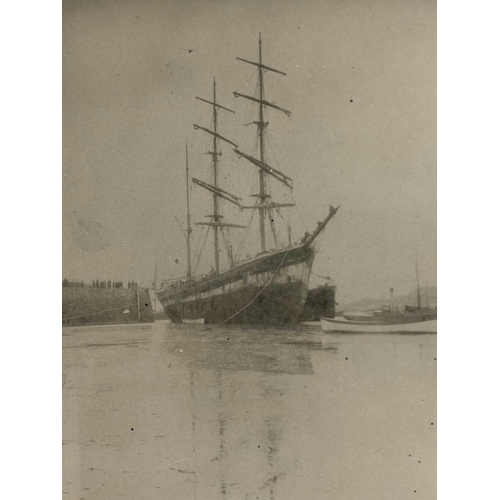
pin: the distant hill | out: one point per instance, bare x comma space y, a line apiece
410, 299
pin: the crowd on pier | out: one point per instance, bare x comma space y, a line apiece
113, 284
99, 284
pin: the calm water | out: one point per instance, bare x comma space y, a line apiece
175, 412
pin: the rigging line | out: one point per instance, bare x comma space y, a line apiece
255, 94
280, 93
272, 150
256, 89
273, 227
269, 82
247, 232
298, 211
203, 242
200, 251
199, 239
289, 225
226, 244
250, 76
251, 113
270, 215
277, 163
274, 156
245, 238
327, 278
256, 141
269, 281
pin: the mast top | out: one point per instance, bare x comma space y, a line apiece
263, 66
264, 206
259, 64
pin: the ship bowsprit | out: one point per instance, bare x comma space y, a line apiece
270, 289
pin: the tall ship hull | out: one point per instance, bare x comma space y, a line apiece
270, 289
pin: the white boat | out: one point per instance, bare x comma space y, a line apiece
331, 325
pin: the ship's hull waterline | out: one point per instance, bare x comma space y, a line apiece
270, 290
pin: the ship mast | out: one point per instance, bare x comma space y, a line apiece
215, 217
155, 279
188, 217
217, 192
418, 286
265, 205
262, 174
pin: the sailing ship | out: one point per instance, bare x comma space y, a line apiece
268, 288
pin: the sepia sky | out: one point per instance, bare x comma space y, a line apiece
361, 86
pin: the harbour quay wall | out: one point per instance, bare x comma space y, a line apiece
104, 306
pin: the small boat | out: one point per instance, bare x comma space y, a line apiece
332, 325
388, 316
413, 319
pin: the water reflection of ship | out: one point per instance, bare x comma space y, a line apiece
235, 470
267, 352
243, 423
